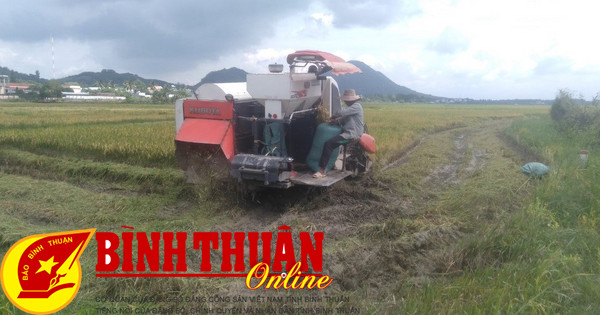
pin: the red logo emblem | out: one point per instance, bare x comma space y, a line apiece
41, 273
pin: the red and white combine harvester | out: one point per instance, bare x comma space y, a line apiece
262, 131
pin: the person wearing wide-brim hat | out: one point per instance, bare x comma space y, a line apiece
353, 126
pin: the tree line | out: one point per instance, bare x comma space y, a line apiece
52, 90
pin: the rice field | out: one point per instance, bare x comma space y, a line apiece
140, 135
27, 115
74, 166
396, 127
143, 134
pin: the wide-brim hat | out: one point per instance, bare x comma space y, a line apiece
350, 95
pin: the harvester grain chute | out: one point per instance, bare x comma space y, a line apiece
261, 131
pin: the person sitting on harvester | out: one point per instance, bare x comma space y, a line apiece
353, 126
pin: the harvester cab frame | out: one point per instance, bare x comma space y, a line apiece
261, 131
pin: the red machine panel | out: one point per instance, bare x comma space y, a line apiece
207, 131
207, 109
368, 143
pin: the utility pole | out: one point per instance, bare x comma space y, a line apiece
53, 74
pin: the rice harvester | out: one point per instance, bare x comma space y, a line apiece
266, 131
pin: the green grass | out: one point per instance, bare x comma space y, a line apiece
397, 126
541, 259
571, 190
527, 264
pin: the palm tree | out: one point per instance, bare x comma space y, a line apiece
128, 85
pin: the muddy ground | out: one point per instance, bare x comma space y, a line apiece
398, 225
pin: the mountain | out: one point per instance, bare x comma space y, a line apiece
107, 75
371, 82
223, 76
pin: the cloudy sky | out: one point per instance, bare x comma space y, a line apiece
454, 48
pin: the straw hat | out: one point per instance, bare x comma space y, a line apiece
350, 95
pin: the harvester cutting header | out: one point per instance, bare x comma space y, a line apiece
266, 131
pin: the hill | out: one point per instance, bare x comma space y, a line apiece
223, 76
18, 77
85, 78
107, 75
371, 82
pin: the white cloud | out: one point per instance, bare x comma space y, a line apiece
323, 19
7, 55
455, 48
496, 48
267, 55
373, 61
343, 54
69, 57
553, 65
450, 41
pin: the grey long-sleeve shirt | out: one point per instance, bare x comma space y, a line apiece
351, 120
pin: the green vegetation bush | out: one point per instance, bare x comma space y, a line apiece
575, 115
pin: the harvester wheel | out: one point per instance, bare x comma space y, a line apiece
357, 160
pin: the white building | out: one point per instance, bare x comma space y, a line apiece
75, 88
72, 96
3, 81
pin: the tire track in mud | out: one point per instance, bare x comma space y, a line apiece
404, 154
427, 247
444, 173
370, 222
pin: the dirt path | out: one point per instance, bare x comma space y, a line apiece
395, 220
